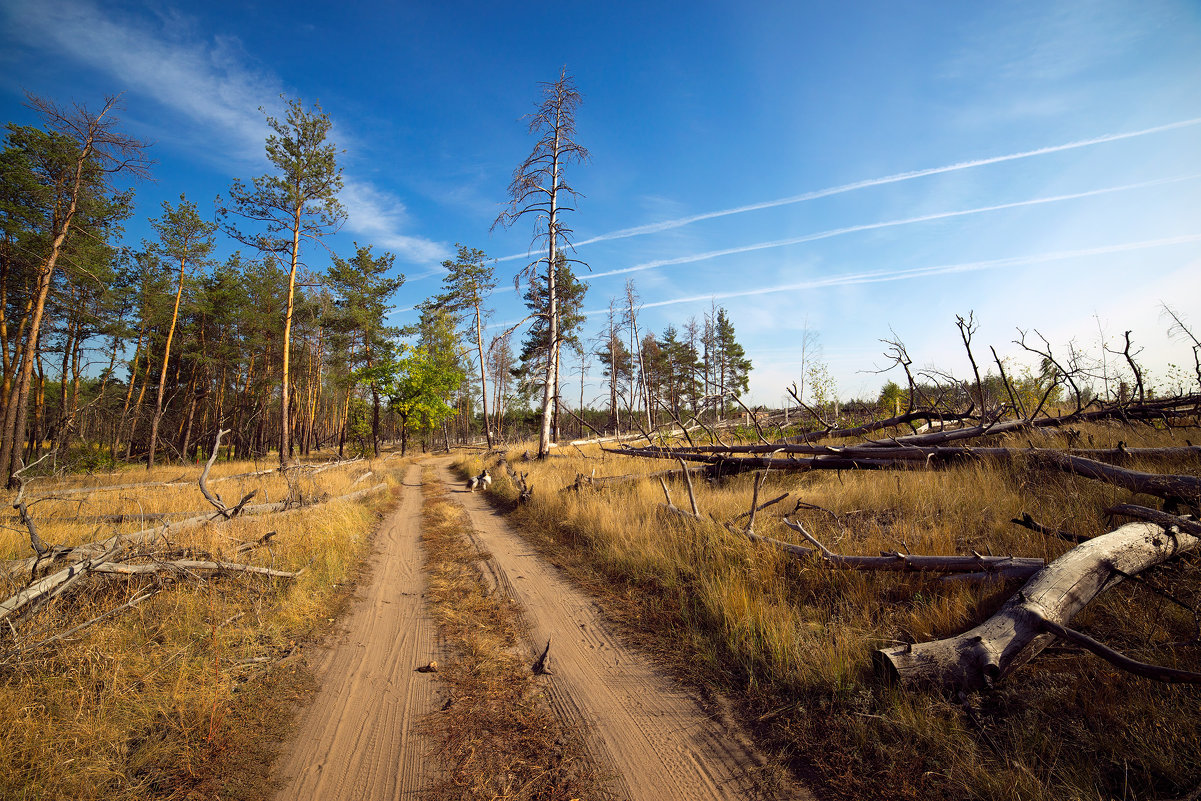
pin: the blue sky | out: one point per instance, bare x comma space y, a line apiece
853, 169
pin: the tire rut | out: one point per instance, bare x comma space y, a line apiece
359, 739
653, 734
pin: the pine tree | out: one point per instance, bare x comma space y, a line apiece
544, 340
732, 367
362, 288
185, 240
62, 179
467, 284
297, 202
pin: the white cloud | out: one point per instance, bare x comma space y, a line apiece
210, 83
879, 276
943, 215
379, 216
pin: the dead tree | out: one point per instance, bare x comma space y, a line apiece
538, 188
1040, 611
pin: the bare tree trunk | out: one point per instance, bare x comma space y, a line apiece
162, 379
1016, 633
479, 343
285, 422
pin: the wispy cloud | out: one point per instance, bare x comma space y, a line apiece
667, 225
880, 276
210, 83
833, 232
379, 216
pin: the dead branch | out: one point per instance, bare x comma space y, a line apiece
762, 506
1026, 521
999, 566
1016, 633
261, 542
691, 493
1164, 519
98, 619
215, 500
90, 550
1119, 660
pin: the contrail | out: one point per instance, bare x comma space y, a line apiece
880, 276
943, 215
667, 225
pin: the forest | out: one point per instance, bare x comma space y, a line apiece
117, 353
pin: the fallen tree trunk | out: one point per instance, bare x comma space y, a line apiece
998, 566
1016, 633
1174, 488
56, 584
901, 452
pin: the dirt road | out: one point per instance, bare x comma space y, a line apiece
358, 738
653, 736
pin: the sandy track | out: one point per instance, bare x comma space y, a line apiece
358, 738
653, 735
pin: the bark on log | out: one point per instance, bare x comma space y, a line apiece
999, 566
1015, 634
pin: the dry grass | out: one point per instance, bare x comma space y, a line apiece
496, 737
793, 640
184, 695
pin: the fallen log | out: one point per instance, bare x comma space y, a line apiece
879, 425
999, 566
56, 584
1173, 488
1016, 633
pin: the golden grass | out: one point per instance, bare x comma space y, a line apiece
184, 695
496, 737
793, 640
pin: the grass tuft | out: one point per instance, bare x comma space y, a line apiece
187, 694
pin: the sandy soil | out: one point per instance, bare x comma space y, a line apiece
653, 736
358, 738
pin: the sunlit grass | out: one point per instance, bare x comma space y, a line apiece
180, 694
797, 636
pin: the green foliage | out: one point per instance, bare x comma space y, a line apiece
733, 367
569, 293
893, 398
422, 381
301, 197
823, 389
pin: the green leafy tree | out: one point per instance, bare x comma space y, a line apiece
298, 202
892, 397
426, 376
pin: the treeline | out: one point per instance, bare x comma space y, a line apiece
115, 353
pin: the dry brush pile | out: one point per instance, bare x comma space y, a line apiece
152, 639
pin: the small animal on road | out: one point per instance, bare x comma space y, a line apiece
482, 481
